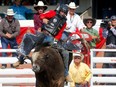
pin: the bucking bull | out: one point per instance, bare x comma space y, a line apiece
48, 66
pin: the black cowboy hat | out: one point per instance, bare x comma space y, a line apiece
89, 18
40, 4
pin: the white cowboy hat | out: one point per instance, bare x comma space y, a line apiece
40, 4
78, 54
9, 12
72, 5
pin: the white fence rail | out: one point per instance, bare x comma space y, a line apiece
17, 77
108, 75
10, 77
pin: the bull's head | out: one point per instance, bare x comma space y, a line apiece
38, 61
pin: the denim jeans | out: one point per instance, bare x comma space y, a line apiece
65, 36
30, 41
65, 54
68, 45
5, 42
77, 85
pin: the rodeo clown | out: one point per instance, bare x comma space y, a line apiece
54, 25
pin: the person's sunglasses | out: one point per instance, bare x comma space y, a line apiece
90, 22
40, 8
10, 16
72, 9
77, 57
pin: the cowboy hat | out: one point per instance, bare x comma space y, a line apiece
9, 12
72, 5
40, 4
89, 18
78, 54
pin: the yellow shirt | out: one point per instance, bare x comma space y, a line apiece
79, 73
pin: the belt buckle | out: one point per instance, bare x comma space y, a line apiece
78, 83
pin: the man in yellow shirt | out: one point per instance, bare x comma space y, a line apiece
80, 72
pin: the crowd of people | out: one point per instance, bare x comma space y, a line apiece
31, 2
56, 26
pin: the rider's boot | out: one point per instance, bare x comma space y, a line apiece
20, 61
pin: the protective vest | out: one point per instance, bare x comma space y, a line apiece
55, 24
111, 38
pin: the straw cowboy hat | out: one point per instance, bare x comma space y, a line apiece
78, 54
72, 5
9, 12
89, 18
40, 4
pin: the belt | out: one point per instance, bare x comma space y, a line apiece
77, 83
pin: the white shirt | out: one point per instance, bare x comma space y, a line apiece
73, 23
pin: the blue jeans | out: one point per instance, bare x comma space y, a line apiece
12, 42
77, 85
65, 54
65, 36
68, 45
30, 41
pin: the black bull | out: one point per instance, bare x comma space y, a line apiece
48, 67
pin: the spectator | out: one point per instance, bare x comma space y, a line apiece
40, 8
73, 20
74, 24
89, 23
20, 10
111, 41
79, 71
9, 30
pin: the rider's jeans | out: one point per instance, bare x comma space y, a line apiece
64, 36
68, 45
30, 41
65, 54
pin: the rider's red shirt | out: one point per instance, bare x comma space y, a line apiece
50, 14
